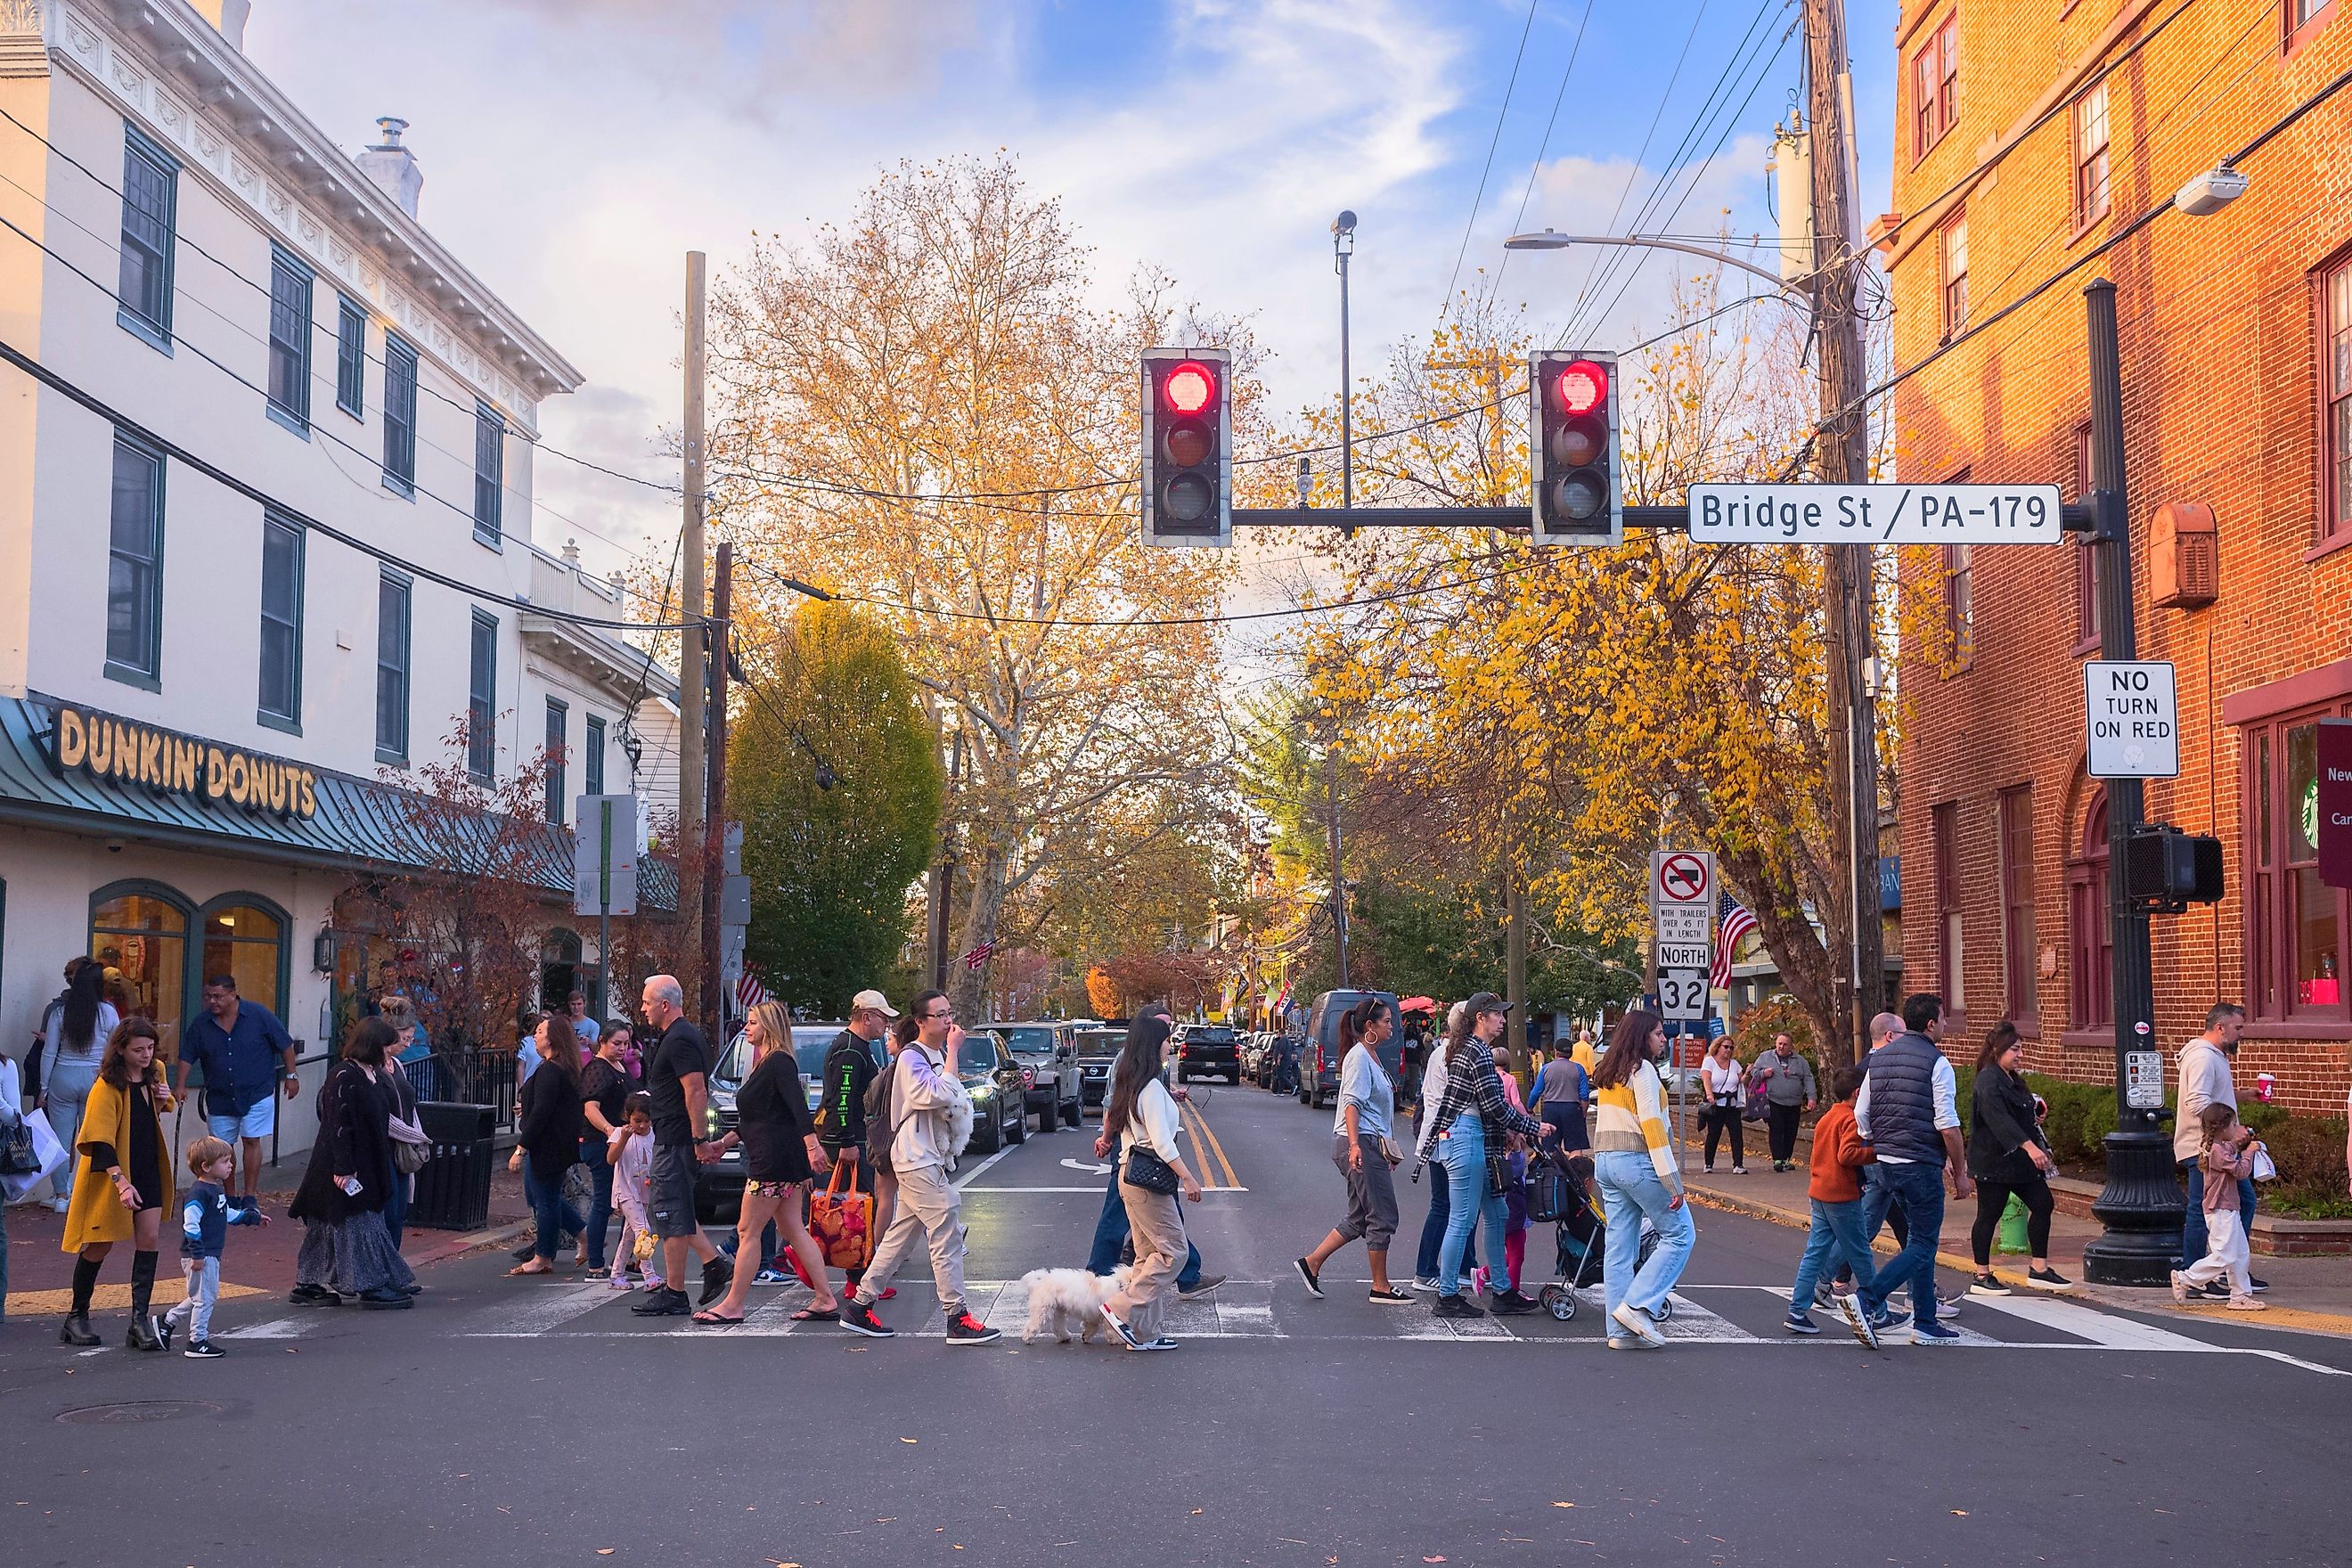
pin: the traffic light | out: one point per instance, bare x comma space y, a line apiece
2166, 870
1188, 464
1573, 432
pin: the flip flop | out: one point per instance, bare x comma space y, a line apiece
810, 1315
525, 1271
714, 1321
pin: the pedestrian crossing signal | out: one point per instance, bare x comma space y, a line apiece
1188, 466
1572, 434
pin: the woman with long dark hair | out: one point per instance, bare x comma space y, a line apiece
1476, 1121
1725, 1082
547, 1140
1141, 1115
1364, 1152
76, 1031
346, 1251
2007, 1152
780, 1156
1634, 1164
125, 1179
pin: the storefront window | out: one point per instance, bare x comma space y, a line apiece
142, 938
2295, 934
245, 942
2318, 953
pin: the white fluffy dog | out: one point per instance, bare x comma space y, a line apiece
1069, 1295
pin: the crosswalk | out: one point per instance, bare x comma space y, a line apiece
1703, 1315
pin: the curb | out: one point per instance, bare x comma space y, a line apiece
456, 1246
2292, 1319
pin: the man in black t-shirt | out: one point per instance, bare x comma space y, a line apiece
849, 1071
677, 1080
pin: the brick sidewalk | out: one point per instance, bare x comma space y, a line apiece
2313, 1294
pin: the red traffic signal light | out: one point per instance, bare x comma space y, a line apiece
1187, 438
1573, 437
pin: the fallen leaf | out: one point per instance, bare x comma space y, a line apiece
1563, 1505
1196, 1514
907, 1440
1433, 1559
1960, 1514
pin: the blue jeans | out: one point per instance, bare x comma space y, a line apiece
600, 1210
1433, 1229
1467, 1202
1111, 1231
1837, 1228
1917, 1188
2193, 1226
1631, 1191
547, 1207
395, 1207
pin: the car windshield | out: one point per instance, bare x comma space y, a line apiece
1101, 1042
1208, 1037
1028, 1039
809, 1044
977, 1054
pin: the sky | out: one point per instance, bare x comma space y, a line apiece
573, 150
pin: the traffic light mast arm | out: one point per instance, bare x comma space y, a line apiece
2076, 515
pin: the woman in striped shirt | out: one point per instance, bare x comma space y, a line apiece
1475, 1122
1635, 1167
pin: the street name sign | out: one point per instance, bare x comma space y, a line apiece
1874, 514
2131, 720
1682, 916
604, 854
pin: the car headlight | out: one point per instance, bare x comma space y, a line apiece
984, 1090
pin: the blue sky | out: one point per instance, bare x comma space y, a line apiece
574, 150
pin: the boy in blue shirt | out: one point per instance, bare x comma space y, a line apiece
206, 1211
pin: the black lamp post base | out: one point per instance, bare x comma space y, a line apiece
2141, 1208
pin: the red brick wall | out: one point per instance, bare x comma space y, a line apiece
2220, 379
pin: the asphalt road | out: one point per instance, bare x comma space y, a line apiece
513, 1422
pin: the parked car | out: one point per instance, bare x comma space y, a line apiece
1098, 1048
1208, 1050
1319, 1053
1282, 1063
999, 1087
718, 1186
1252, 1048
1048, 1049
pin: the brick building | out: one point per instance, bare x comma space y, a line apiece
2031, 132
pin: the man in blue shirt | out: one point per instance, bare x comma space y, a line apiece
245, 1054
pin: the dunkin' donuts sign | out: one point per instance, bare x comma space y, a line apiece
121, 751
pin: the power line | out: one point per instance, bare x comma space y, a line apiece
121, 421
1544, 145
1502, 112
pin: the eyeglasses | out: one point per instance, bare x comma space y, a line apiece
935, 1018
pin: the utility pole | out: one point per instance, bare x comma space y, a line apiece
1842, 458
943, 874
722, 604
2141, 1204
693, 835
1338, 881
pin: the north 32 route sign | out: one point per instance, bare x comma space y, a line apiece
1874, 514
1682, 909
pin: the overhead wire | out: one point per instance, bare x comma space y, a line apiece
1543, 146
1501, 114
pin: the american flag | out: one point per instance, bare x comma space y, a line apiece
1734, 921
980, 955
749, 992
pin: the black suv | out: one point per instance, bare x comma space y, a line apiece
1208, 1050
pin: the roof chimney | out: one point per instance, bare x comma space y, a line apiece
228, 18
391, 165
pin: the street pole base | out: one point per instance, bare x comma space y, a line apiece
2142, 1209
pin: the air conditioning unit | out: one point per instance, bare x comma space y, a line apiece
2184, 556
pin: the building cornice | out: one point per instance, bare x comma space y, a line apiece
190, 89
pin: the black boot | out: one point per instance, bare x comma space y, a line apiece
75, 1330
144, 1334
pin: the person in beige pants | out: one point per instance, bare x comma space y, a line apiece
1141, 1115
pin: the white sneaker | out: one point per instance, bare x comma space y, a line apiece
59, 1206
1638, 1323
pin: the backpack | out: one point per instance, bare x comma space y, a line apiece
879, 1125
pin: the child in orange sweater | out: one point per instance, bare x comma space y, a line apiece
1835, 1189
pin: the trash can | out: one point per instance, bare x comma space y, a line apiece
453, 1187
2013, 1225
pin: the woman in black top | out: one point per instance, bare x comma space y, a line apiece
781, 1154
346, 1251
547, 1139
120, 1140
604, 1088
2008, 1153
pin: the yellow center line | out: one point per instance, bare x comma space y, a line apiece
1206, 1136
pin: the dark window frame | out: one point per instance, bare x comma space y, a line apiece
289, 624
2278, 873
2298, 29
2021, 929
1952, 287
592, 756
2090, 979
141, 154
558, 741
489, 475
149, 674
1951, 929
2094, 166
2332, 397
1935, 82
401, 368
350, 356
482, 699
1957, 562
392, 748
288, 399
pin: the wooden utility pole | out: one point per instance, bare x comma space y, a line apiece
722, 606
1841, 456
692, 766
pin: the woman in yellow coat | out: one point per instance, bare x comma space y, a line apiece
122, 1180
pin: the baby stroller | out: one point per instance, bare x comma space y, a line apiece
1557, 1194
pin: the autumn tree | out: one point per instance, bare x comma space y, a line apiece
921, 409
832, 769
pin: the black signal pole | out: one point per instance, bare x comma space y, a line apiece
2141, 1204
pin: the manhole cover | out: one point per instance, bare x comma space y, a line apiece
136, 1411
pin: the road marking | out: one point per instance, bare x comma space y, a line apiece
1096, 1190
1203, 1135
275, 1329
973, 1175
551, 1306
2112, 1332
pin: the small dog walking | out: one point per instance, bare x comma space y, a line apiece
1069, 1296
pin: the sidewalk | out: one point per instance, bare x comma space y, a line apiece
2308, 1294
259, 1259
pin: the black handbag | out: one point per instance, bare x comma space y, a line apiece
1147, 1169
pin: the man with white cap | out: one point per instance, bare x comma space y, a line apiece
848, 1072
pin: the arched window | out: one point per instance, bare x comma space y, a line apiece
244, 936
2091, 980
139, 931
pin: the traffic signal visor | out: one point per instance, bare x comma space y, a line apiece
1574, 449
1187, 436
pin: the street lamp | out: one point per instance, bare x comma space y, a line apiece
2209, 192
1552, 239
1343, 246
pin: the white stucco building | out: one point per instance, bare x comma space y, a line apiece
265, 524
